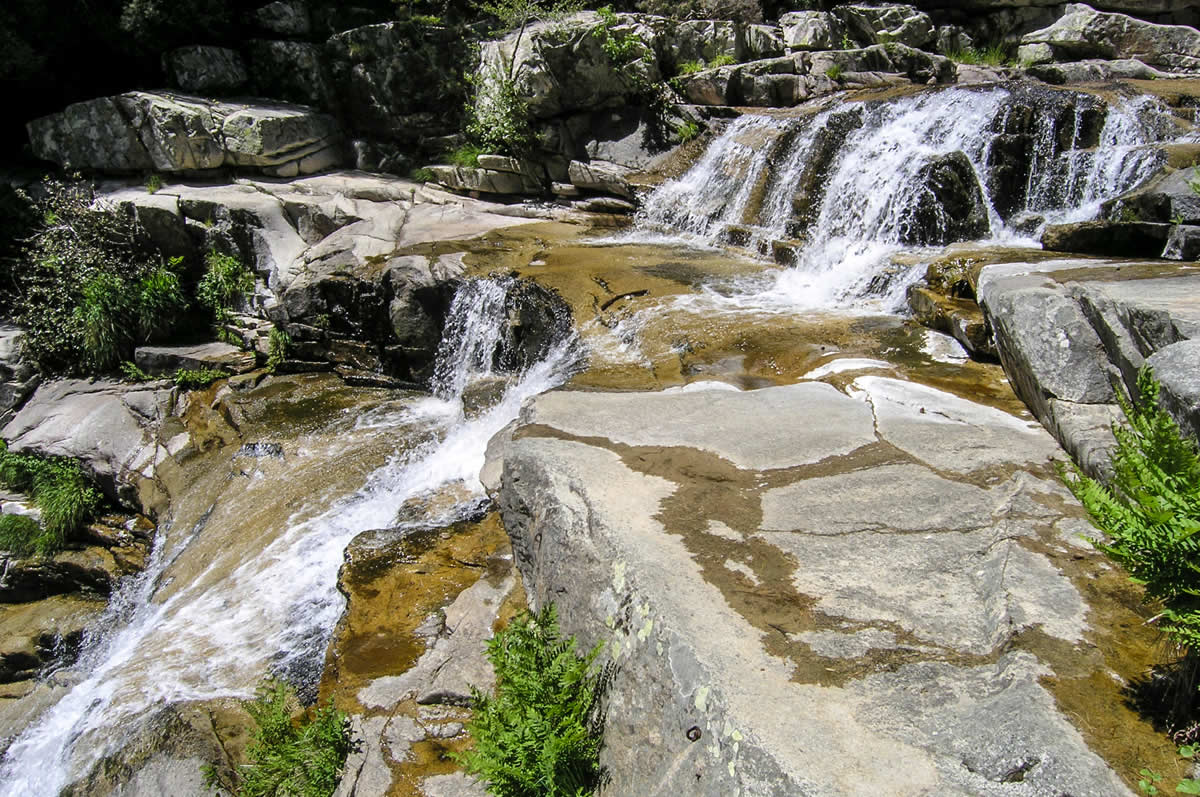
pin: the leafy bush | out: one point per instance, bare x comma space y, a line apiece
59, 488
835, 72
686, 131
130, 372
154, 184
90, 288
288, 758
498, 118
541, 735
225, 285
724, 59
691, 67
279, 343
1151, 511
994, 55
467, 155
195, 379
422, 175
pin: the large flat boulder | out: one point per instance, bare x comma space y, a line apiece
1083, 32
167, 132
807, 591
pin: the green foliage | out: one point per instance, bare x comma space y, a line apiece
724, 59
58, 487
154, 184
226, 283
1151, 511
621, 48
132, 373
498, 119
1149, 781
289, 758
89, 287
687, 130
691, 67
541, 735
195, 379
466, 155
422, 175
20, 535
279, 343
999, 54
835, 72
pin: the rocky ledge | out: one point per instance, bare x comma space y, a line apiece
809, 591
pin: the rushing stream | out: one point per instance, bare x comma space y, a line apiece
273, 611
207, 619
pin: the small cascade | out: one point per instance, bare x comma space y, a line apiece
170, 636
846, 188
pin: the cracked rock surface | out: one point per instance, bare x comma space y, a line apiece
875, 591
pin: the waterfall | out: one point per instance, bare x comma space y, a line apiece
847, 188
217, 634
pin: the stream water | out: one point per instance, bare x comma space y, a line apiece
225, 601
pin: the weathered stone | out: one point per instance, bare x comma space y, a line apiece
18, 376
111, 427
600, 176
463, 178
1175, 367
290, 71
1082, 32
561, 68
91, 570
1112, 238
43, 633
212, 356
949, 206
668, 531
902, 24
960, 318
1094, 71
1184, 243
810, 30
1167, 198
207, 70
140, 131
701, 40
285, 17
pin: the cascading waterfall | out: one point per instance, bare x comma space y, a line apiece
844, 187
216, 637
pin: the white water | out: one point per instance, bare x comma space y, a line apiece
275, 611
872, 183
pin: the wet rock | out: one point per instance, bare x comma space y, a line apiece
92, 570
1082, 32
1111, 238
1164, 199
205, 70
111, 427
960, 318
158, 131
950, 207
667, 544
44, 633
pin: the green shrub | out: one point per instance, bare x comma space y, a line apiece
1150, 511
154, 184
195, 379
225, 285
541, 734
279, 343
724, 59
132, 373
691, 67
422, 175
467, 156
289, 758
80, 282
159, 301
999, 54
59, 488
687, 130
498, 118
835, 72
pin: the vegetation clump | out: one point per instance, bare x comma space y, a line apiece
289, 758
540, 736
90, 289
66, 497
197, 378
279, 343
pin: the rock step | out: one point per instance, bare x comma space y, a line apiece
213, 356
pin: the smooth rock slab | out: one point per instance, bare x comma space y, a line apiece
773, 635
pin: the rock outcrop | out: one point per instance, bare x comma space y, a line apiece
160, 131
1082, 33
806, 591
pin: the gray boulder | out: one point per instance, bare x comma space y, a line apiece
211, 356
1175, 367
207, 70
701, 40
1083, 32
18, 376
810, 30
290, 71
1184, 243
285, 17
111, 427
890, 22
159, 131
1112, 238
1167, 198
600, 176
562, 68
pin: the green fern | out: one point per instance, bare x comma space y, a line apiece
541, 735
1151, 511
